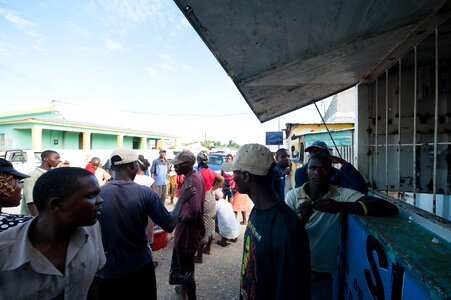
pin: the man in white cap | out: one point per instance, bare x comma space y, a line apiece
129, 270
190, 228
276, 255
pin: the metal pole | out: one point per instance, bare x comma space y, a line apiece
386, 130
330, 135
399, 128
376, 131
434, 170
415, 84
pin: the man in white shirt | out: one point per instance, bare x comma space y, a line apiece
58, 252
320, 207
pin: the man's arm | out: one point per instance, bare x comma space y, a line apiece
175, 213
349, 176
28, 195
219, 182
153, 169
365, 206
300, 176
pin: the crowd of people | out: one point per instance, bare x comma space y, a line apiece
86, 232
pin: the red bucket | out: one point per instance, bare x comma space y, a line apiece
160, 239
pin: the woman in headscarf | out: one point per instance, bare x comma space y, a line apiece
212, 181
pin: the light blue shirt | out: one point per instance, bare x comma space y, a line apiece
160, 170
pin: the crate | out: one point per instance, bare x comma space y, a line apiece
160, 239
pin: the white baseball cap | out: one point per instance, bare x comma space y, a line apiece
126, 156
253, 158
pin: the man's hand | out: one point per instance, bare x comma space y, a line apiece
187, 193
338, 160
304, 211
326, 205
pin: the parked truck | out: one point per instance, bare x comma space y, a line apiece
24, 161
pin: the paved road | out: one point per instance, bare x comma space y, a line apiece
216, 278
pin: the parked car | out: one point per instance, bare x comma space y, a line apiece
24, 161
215, 160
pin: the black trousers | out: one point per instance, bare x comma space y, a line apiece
139, 285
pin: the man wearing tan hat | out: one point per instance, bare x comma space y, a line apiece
276, 255
129, 270
190, 228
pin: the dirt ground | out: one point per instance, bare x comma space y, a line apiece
218, 277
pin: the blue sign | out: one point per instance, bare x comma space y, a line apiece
274, 138
370, 272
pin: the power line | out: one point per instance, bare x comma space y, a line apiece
167, 114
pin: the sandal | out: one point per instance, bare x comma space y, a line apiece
197, 260
222, 244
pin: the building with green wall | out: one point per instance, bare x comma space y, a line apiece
44, 128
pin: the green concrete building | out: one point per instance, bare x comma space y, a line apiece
44, 128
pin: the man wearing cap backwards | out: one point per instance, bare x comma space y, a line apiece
276, 256
320, 205
58, 252
190, 227
159, 172
10, 190
347, 176
50, 159
129, 270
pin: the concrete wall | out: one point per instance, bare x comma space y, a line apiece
71, 140
103, 141
21, 139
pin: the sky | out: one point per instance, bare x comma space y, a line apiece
129, 63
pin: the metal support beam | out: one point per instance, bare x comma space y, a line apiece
434, 172
414, 148
398, 172
386, 130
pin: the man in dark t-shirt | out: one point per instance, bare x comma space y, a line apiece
276, 255
129, 270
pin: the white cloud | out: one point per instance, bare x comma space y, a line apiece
168, 67
25, 26
13, 18
7, 49
137, 11
152, 72
113, 45
77, 29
